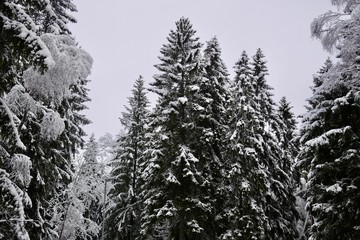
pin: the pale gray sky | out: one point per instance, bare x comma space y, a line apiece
125, 37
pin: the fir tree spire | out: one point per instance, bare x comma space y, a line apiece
177, 205
124, 216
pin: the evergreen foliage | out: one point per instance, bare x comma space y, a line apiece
246, 178
35, 143
288, 134
177, 203
124, 216
305, 157
261, 202
54, 134
280, 200
215, 158
213, 122
330, 131
79, 215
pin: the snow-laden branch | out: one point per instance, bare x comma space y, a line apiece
18, 141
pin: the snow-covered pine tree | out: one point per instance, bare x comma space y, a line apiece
290, 144
302, 165
330, 132
79, 215
287, 139
91, 179
243, 215
213, 122
280, 205
177, 204
51, 133
20, 47
303, 162
124, 217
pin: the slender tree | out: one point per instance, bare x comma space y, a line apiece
244, 215
79, 216
288, 134
212, 122
126, 174
302, 165
280, 204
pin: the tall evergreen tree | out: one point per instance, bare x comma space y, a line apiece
330, 132
21, 47
177, 204
302, 166
124, 216
52, 134
287, 138
213, 122
244, 209
280, 200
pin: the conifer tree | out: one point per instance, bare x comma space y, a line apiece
330, 132
280, 200
38, 121
177, 204
124, 216
244, 215
287, 138
302, 166
22, 47
262, 203
78, 216
51, 134
213, 121
329, 138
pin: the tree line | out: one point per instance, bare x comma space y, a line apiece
213, 159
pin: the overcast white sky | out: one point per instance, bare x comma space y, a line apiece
125, 37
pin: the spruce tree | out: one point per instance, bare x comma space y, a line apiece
177, 204
302, 165
329, 139
330, 132
213, 122
52, 134
280, 207
124, 216
261, 198
287, 139
243, 214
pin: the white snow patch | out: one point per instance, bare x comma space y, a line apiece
334, 188
182, 100
324, 138
194, 88
172, 179
52, 125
